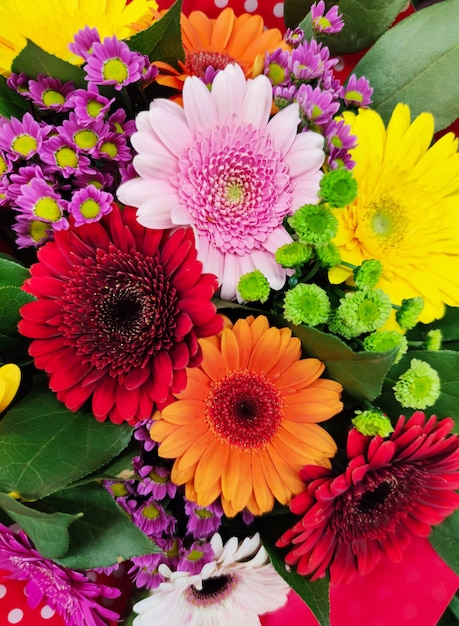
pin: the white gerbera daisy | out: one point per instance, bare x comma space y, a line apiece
235, 588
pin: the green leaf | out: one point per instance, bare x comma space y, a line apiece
11, 103
44, 446
360, 373
448, 324
33, 60
11, 300
446, 363
49, 532
364, 22
104, 535
444, 539
162, 41
12, 273
295, 11
415, 62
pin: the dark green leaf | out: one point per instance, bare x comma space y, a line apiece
444, 538
49, 532
11, 300
415, 62
360, 373
44, 446
448, 324
11, 103
104, 535
12, 273
295, 11
446, 363
162, 41
33, 60
13, 349
364, 22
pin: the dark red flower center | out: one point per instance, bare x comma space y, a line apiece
244, 409
119, 310
213, 591
198, 62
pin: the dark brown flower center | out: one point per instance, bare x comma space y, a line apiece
244, 409
119, 310
198, 62
213, 591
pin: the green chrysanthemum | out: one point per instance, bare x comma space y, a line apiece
361, 312
254, 286
385, 340
328, 255
434, 340
293, 254
306, 304
408, 314
314, 224
338, 188
367, 275
418, 387
372, 422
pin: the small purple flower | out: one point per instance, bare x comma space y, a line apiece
357, 92
62, 156
5, 163
151, 517
149, 71
118, 123
19, 83
294, 37
127, 172
203, 521
89, 105
113, 63
310, 60
72, 594
155, 481
145, 571
50, 93
22, 138
283, 96
142, 429
316, 106
330, 22
114, 147
22, 176
276, 67
89, 204
31, 233
86, 137
100, 180
83, 42
39, 201
194, 558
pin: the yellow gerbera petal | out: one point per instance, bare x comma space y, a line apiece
10, 378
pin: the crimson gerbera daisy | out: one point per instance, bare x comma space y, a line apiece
118, 314
390, 490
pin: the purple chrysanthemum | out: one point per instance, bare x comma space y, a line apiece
113, 63
63, 157
83, 135
357, 92
51, 93
31, 233
21, 139
89, 105
114, 147
72, 594
39, 201
194, 558
330, 22
89, 204
310, 60
83, 42
156, 481
316, 106
203, 521
223, 166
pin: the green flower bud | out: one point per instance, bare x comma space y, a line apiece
254, 286
434, 340
306, 304
372, 422
385, 340
293, 254
367, 275
338, 188
361, 312
418, 387
328, 255
408, 313
314, 224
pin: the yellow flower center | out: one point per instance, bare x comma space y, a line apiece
355, 96
2, 165
51, 97
38, 230
234, 193
48, 209
66, 157
115, 69
93, 108
90, 208
24, 144
85, 139
109, 148
150, 512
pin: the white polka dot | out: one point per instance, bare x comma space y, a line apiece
340, 65
278, 9
221, 4
250, 5
15, 616
3, 591
92, 576
47, 612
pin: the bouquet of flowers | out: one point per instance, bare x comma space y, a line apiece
228, 313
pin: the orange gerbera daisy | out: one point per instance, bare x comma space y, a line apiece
218, 42
247, 421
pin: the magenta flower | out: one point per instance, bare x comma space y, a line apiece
89, 204
316, 106
89, 105
22, 138
39, 201
31, 232
70, 593
113, 63
51, 93
85, 136
203, 521
221, 165
310, 60
357, 92
62, 156
83, 42
330, 22
391, 490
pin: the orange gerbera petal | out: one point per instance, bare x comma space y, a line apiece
223, 27
250, 433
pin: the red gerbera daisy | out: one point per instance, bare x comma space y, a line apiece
391, 490
118, 313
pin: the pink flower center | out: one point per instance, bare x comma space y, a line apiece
235, 187
244, 409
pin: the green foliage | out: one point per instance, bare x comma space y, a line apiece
11, 104
13, 347
45, 447
444, 539
32, 60
162, 41
415, 62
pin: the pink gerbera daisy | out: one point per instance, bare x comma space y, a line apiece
221, 165
391, 490
118, 314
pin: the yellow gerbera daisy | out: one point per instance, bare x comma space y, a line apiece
247, 421
10, 377
52, 24
406, 213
